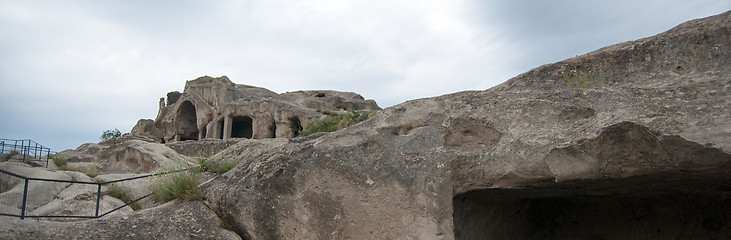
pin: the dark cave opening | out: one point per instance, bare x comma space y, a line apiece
187, 123
679, 206
273, 130
220, 128
241, 127
295, 125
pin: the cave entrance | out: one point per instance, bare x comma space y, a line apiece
186, 122
220, 127
681, 206
241, 127
295, 125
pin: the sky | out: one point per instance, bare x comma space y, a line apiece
71, 69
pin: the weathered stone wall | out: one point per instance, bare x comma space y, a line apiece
209, 106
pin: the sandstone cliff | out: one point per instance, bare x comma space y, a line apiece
644, 154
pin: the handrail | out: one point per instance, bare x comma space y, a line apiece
31, 147
98, 195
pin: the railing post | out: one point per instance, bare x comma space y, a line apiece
98, 198
25, 197
48, 155
35, 152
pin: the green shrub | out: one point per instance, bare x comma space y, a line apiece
583, 78
181, 185
11, 154
89, 171
113, 191
59, 161
111, 134
328, 112
216, 166
332, 124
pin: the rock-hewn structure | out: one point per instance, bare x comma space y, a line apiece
216, 108
646, 155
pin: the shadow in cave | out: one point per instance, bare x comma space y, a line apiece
675, 206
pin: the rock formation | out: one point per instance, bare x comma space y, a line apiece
216, 108
643, 154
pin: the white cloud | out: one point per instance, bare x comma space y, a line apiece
81, 67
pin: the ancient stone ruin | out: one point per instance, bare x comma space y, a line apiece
216, 108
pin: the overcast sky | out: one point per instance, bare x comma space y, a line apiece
71, 69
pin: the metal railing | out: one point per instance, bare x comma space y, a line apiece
27, 180
27, 150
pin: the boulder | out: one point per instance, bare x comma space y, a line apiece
134, 189
126, 156
173, 220
644, 153
39, 192
205, 148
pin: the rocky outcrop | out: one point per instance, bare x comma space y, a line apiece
644, 155
216, 108
12, 188
126, 156
173, 220
202, 149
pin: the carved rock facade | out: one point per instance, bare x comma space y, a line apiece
216, 108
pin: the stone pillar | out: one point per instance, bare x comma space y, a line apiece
227, 123
216, 134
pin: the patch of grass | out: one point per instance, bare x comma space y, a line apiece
328, 112
348, 119
218, 167
89, 171
583, 77
59, 161
181, 185
11, 154
113, 191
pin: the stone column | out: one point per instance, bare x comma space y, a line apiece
227, 123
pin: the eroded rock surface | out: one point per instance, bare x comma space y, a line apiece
126, 156
173, 220
645, 156
216, 108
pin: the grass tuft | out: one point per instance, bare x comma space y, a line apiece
115, 192
218, 167
583, 78
11, 154
59, 161
332, 124
178, 185
89, 171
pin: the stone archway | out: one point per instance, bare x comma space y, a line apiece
242, 127
186, 122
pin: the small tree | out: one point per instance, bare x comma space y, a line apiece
111, 134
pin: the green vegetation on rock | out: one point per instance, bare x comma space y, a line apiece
111, 134
115, 192
338, 122
219, 167
583, 78
59, 161
181, 185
